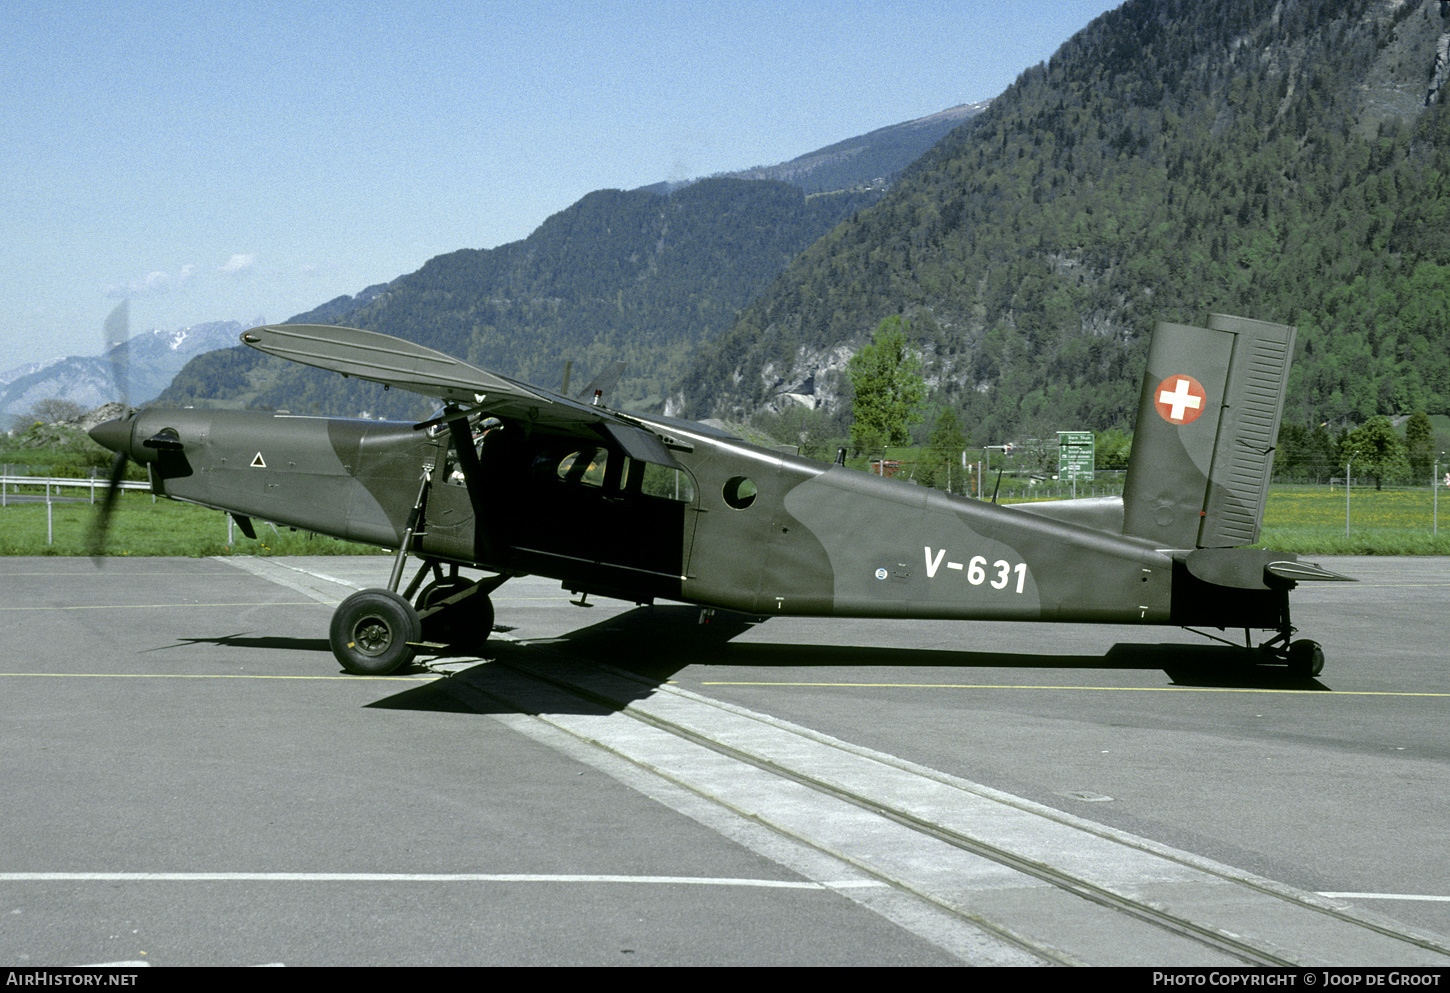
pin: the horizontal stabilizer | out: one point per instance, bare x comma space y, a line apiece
1252, 568
1306, 572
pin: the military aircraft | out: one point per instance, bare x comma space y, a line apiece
516, 480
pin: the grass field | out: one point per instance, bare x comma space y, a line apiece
1303, 519
140, 527
1399, 521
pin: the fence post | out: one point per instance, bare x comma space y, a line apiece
1346, 495
1435, 498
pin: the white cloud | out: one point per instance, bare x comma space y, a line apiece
238, 263
151, 284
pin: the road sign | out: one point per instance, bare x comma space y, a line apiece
1075, 455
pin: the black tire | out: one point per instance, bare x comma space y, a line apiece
1306, 659
480, 624
466, 624
371, 631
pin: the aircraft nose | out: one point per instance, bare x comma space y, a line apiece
115, 435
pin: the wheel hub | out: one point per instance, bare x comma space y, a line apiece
371, 637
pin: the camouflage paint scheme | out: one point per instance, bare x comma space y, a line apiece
639, 507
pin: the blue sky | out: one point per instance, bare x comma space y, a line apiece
238, 159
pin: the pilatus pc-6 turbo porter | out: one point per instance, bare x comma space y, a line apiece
515, 480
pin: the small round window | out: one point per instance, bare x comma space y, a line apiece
740, 492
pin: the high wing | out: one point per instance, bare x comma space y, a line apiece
381, 358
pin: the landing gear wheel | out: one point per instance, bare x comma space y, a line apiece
464, 624
371, 631
481, 623
441, 627
1306, 659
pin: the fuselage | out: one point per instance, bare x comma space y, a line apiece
727, 525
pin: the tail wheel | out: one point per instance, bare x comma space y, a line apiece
1306, 658
372, 632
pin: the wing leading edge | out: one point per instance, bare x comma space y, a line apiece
381, 358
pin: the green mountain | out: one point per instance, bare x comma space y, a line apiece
1281, 159
634, 276
874, 160
647, 276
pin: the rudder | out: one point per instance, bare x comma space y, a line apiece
1208, 420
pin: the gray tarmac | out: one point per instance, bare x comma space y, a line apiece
191, 780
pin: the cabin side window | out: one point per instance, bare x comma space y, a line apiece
610, 473
663, 482
739, 492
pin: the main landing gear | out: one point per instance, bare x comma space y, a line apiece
1304, 658
377, 631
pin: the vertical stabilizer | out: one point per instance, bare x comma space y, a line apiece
1203, 447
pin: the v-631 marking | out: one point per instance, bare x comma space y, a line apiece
976, 570
514, 480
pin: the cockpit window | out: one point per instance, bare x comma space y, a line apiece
585, 467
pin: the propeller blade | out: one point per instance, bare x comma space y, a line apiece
115, 435
102, 522
115, 334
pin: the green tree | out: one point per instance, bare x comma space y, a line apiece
886, 379
1420, 445
941, 466
1111, 449
1377, 450
53, 410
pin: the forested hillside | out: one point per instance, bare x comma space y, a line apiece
634, 276
874, 159
1287, 160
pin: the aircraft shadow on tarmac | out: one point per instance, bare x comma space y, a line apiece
238, 641
655, 643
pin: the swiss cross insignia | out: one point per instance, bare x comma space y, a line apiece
1180, 399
